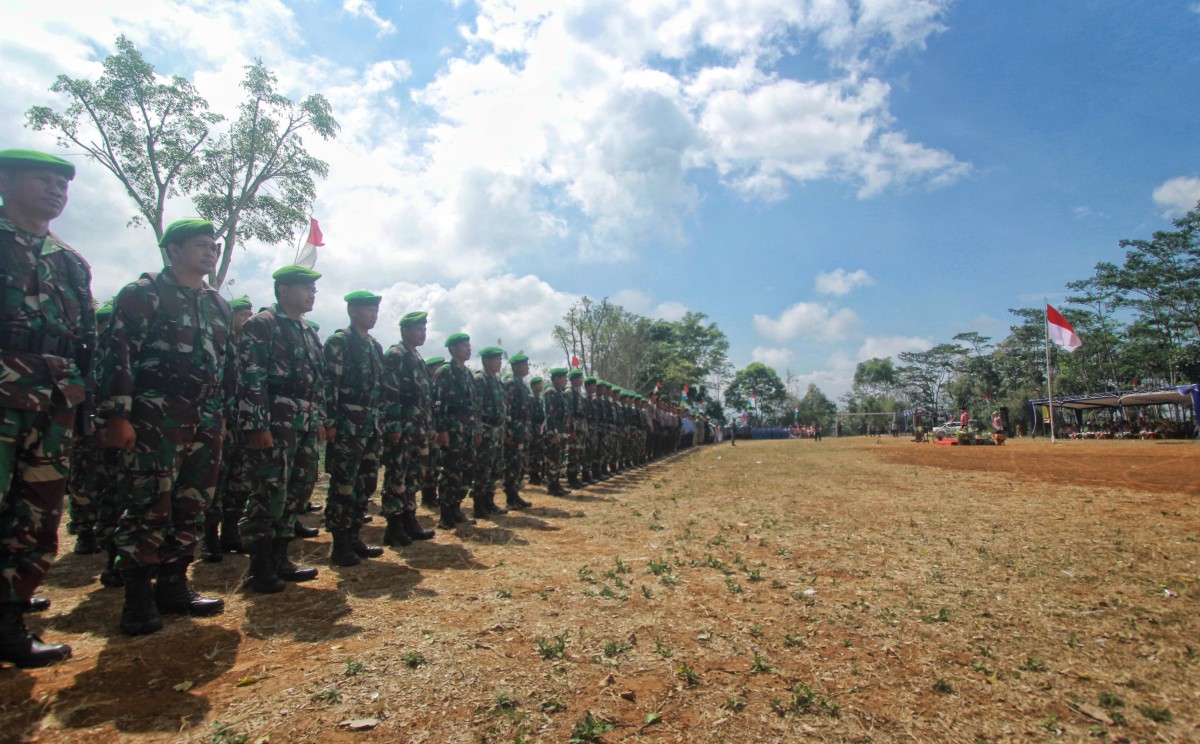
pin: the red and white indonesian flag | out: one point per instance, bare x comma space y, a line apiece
308, 253
1061, 331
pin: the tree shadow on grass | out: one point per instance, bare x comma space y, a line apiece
132, 684
378, 577
529, 522
486, 534
441, 555
552, 512
306, 613
72, 571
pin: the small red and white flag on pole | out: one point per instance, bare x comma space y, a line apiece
1061, 331
307, 257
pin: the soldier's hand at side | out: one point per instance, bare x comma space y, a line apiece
395, 437
477, 439
443, 439
260, 439
119, 434
330, 434
320, 435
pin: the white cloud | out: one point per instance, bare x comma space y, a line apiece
670, 311
366, 9
840, 282
778, 359
1177, 196
633, 300
808, 320
883, 347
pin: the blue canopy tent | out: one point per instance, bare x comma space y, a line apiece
1184, 395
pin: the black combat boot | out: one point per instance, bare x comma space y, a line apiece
493, 507
573, 481
449, 517
413, 528
395, 536
287, 570
301, 531
110, 576
556, 489
86, 543
342, 553
429, 498
231, 539
513, 499
479, 507
19, 646
263, 578
460, 517
173, 595
361, 548
36, 604
535, 479
210, 546
139, 616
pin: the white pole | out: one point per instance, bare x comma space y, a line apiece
1049, 386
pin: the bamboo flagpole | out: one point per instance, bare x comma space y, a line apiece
1049, 384
1058, 329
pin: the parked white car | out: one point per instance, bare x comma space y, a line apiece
947, 430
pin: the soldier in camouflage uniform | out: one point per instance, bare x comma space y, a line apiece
47, 334
83, 489
576, 454
408, 428
456, 413
592, 449
602, 404
354, 381
493, 417
517, 431
304, 480
429, 489
536, 460
233, 482
281, 409
558, 430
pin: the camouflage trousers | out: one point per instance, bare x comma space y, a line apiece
577, 451
92, 488
457, 466
516, 452
168, 481
536, 460
35, 452
489, 461
352, 461
281, 478
235, 480
433, 467
554, 459
408, 471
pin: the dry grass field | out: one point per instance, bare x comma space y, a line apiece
855, 590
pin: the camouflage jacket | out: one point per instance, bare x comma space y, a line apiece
493, 406
48, 330
354, 380
595, 415
167, 360
282, 374
537, 412
577, 402
408, 393
558, 415
456, 405
520, 408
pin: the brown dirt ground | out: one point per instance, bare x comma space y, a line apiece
848, 590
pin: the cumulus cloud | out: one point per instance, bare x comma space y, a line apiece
670, 311
840, 282
776, 358
808, 320
883, 347
366, 9
1177, 196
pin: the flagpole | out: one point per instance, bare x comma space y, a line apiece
1049, 384
300, 242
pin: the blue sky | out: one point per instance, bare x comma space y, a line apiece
827, 180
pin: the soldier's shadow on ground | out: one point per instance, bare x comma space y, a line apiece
527, 521
489, 533
99, 614
71, 570
437, 554
132, 672
378, 577
585, 497
553, 512
19, 713
302, 611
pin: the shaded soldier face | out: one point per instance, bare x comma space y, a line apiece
413, 335
576, 382
536, 387
591, 388
239, 319
298, 298
560, 383
195, 256
35, 192
363, 316
491, 365
461, 351
520, 370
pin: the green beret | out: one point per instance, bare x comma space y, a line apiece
32, 159
617, 390
604, 384
535, 380
105, 311
313, 324
456, 338
294, 274
575, 373
361, 297
558, 372
180, 230
589, 380
416, 317
435, 361
518, 358
241, 303
491, 351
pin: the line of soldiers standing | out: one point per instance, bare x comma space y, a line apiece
209, 421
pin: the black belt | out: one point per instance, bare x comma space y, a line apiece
492, 420
37, 342
183, 388
284, 390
